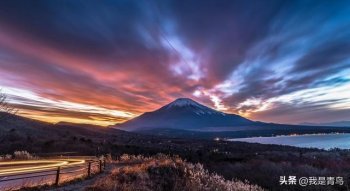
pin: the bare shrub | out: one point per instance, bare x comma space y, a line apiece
5, 107
23, 155
163, 172
108, 158
132, 158
5, 157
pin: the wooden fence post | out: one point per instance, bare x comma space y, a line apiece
89, 169
58, 175
100, 166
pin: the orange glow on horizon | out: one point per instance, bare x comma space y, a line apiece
56, 119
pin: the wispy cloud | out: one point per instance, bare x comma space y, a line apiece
107, 62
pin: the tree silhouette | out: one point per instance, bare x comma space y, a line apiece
5, 107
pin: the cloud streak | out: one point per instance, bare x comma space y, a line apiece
107, 62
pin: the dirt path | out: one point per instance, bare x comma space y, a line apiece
81, 185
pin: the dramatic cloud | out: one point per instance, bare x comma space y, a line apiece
106, 62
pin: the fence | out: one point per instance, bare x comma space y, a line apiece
53, 176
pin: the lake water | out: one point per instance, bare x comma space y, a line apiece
322, 141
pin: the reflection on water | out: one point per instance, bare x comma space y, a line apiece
322, 141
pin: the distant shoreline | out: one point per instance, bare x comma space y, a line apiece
327, 142
299, 135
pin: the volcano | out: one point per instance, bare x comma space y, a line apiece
184, 113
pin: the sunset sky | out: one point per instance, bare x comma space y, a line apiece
103, 62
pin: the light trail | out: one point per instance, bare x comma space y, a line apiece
40, 165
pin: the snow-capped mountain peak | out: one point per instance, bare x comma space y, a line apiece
197, 108
181, 102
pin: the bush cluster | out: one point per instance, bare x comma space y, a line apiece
163, 172
18, 155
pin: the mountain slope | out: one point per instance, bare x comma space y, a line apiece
20, 133
29, 127
185, 113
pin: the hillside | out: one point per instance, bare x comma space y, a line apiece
333, 124
20, 133
163, 172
